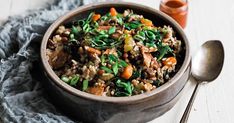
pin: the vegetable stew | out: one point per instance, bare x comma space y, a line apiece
116, 54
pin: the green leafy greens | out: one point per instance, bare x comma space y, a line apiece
124, 88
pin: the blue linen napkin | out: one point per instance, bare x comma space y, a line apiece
22, 97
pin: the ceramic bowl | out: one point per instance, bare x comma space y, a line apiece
140, 108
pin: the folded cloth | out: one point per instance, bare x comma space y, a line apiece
22, 97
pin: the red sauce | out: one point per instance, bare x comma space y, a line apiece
177, 9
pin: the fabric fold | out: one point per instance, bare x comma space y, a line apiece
22, 97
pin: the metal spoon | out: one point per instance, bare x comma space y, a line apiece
206, 67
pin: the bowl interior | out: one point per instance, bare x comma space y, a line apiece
158, 18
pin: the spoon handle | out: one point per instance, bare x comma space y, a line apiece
185, 116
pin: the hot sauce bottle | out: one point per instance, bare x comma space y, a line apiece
177, 9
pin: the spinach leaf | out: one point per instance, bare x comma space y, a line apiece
106, 17
89, 19
150, 44
150, 35
85, 85
102, 32
120, 19
122, 63
112, 58
108, 70
120, 93
133, 25
103, 36
81, 22
140, 36
163, 50
112, 30
126, 86
99, 42
115, 68
86, 28
119, 53
136, 74
74, 30
158, 36
103, 59
74, 80
65, 79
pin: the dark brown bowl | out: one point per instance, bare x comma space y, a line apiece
139, 108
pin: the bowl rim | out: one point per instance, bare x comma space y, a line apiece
64, 86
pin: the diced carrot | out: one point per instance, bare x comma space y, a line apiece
127, 73
93, 50
170, 61
96, 17
97, 90
146, 22
113, 12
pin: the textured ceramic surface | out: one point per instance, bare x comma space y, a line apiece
140, 108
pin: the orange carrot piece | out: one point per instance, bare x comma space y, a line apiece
113, 12
93, 50
127, 73
170, 61
146, 22
97, 90
96, 17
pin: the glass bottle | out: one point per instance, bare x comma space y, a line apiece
177, 9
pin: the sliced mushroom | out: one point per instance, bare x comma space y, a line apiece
106, 76
111, 51
147, 59
116, 35
155, 64
94, 57
89, 72
58, 58
126, 13
51, 44
104, 27
148, 87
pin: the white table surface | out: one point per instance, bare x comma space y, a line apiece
208, 19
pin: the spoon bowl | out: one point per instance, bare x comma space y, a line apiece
208, 62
